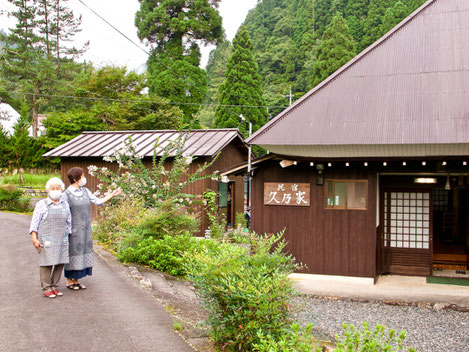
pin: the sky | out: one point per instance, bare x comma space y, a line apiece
108, 47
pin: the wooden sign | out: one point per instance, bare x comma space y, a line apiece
293, 194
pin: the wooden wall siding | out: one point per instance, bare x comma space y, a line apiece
333, 242
230, 156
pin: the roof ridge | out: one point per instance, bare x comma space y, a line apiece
157, 131
337, 73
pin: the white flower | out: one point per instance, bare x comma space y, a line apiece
108, 158
154, 196
188, 160
153, 187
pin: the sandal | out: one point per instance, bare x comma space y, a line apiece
73, 287
80, 286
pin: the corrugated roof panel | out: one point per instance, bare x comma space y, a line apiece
226, 137
100, 144
66, 146
214, 139
411, 87
116, 142
192, 146
149, 145
76, 148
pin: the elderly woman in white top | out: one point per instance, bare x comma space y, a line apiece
50, 229
79, 199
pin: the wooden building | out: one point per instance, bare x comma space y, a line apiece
90, 147
368, 172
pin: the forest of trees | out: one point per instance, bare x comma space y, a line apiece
287, 39
283, 46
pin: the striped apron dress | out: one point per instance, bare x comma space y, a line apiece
53, 235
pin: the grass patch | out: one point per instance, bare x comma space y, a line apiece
29, 180
178, 326
447, 281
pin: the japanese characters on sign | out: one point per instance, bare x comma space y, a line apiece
293, 194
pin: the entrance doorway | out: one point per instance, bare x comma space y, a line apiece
407, 232
424, 229
226, 193
451, 232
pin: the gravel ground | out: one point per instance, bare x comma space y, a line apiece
427, 330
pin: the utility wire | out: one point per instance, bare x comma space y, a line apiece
145, 51
136, 100
161, 63
100, 97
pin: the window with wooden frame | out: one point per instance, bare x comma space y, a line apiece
346, 194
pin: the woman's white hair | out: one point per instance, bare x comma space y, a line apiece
55, 181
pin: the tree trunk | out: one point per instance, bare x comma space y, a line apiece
58, 34
35, 111
46, 22
18, 168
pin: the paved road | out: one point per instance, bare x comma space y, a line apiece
113, 314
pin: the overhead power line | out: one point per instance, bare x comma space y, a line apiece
135, 100
163, 64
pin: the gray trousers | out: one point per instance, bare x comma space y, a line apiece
50, 276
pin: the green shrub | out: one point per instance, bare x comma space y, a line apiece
366, 340
247, 296
117, 219
11, 198
294, 339
169, 218
166, 254
241, 220
216, 219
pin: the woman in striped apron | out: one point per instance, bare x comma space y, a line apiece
50, 229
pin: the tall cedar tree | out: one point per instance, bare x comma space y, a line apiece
216, 65
25, 67
175, 28
241, 87
4, 148
24, 150
37, 57
335, 49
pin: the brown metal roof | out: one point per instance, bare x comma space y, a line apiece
410, 87
100, 144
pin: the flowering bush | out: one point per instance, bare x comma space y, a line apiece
156, 184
